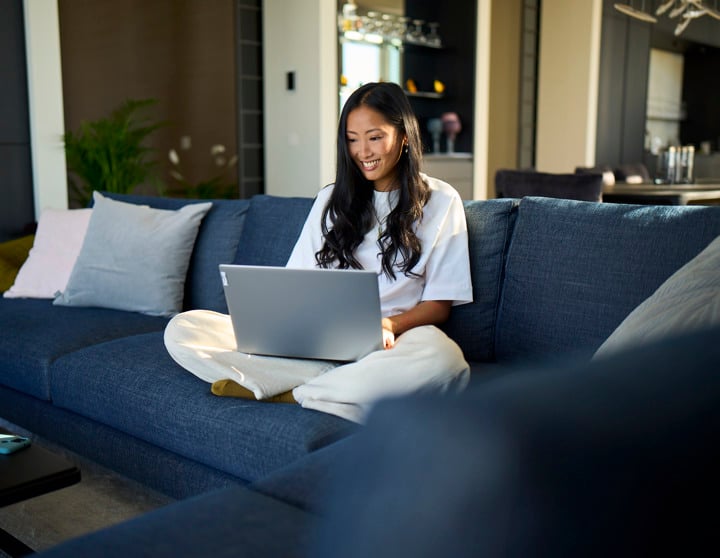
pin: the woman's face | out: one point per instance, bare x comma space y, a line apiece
375, 146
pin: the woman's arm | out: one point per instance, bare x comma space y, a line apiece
428, 312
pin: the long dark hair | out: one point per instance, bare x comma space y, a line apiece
350, 207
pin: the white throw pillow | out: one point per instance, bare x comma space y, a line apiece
134, 257
689, 300
59, 237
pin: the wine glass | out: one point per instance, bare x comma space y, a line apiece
400, 27
416, 33
435, 127
433, 37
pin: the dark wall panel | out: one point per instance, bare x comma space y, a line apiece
611, 92
636, 85
13, 74
17, 213
624, 61
16, 187
701, 84
249, 85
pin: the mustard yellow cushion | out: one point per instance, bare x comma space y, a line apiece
13, 254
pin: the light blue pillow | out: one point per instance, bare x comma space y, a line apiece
688, 301
134, 257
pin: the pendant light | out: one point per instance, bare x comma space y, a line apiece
630, 10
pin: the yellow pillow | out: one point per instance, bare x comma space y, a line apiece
12, 255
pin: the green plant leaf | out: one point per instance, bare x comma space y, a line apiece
110, 153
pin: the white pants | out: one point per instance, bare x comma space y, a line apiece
423, 358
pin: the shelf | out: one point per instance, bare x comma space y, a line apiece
424, 95
665, 118
422, 45
376, 39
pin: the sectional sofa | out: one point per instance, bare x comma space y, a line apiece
552, 280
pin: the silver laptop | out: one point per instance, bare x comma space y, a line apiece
303, 313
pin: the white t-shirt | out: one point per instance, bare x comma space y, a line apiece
444, 266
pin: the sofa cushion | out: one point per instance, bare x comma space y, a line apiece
55, 249
13, 254
35, 333
134, 257
575, 270
305, 483
216, 243
134, 386
689, 300
472, 326
272, 227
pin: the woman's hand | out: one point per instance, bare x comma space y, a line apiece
388, 335
428, 312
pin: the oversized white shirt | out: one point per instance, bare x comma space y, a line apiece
443, 271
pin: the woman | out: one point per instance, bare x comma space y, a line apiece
381, 214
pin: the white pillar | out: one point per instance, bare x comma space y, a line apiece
45, 99
568, 73
300, 37
482, 100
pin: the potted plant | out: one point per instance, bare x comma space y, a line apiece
110, 153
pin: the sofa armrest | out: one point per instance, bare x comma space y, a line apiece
227, 523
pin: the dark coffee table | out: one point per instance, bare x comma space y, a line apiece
31, 472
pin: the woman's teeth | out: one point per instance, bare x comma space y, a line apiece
369, 165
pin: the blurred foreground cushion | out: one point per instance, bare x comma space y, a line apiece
616, 457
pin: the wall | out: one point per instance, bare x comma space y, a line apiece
16, 209
567, 84
506, 26
180, 53
300, 124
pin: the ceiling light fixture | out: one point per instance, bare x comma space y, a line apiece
631, 11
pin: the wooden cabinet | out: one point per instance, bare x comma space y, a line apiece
455, 169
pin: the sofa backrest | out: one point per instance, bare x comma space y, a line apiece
575, 270
272, 227
273, 224
472, 326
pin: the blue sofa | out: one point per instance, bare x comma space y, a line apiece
581, 459
552, 279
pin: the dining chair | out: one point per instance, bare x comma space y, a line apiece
520, 183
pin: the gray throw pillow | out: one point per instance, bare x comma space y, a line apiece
134, 257
689, 300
